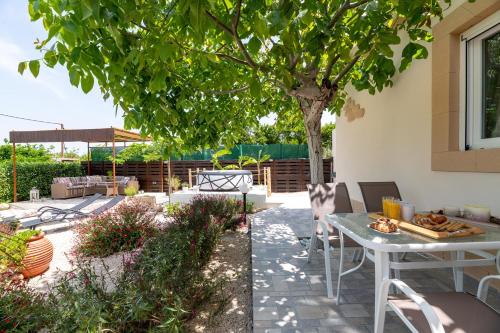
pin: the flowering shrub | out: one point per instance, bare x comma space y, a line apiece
123, 229
161, 287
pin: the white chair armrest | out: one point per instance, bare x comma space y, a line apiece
429, 313
482, 289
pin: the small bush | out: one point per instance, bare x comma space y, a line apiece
130, 191
34, 174
123, 229
175, 183
172, 208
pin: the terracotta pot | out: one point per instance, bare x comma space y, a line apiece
38, 256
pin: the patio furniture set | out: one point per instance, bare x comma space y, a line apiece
71, 187
335, 224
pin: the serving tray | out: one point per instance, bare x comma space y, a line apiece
467, 231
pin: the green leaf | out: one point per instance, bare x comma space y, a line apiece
34, 67
21, 67
158, 82
255, 88
389, 38
254, 45
228, 3
50, 58
87, 10
261, 27
74, 76
166, 51
87, 83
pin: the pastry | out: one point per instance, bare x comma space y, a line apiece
384, 225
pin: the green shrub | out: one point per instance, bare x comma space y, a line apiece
34, 174
123, 229
130, 191
172, 208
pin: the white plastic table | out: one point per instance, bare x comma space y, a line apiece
382, 245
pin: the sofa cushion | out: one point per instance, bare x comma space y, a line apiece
61, 180
93, 179
75, 180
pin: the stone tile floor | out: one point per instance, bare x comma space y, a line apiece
289, 294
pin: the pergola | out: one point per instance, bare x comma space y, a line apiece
94, 135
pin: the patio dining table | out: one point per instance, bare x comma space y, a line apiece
382, 247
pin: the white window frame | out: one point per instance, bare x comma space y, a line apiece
471, 84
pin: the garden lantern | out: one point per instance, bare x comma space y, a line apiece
34, 194
244, 190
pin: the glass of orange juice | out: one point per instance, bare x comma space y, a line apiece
394, 210
385, 205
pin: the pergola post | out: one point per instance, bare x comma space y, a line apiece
161, 175
169, 179
88, 158
14, 171
114, 166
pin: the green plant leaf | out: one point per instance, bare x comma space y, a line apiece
74, 76
87, 83
21, 67
34, 66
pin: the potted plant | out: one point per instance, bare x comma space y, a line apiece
38, 255
175, 183
185, 187
28, 251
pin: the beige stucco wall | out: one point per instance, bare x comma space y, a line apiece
393, 142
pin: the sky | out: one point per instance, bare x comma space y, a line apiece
49, 97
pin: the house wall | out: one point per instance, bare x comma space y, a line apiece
392, 141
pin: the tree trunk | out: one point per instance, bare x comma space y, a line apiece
313, 100
312, 121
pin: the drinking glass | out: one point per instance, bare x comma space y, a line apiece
407, 211
385, 205
394, 210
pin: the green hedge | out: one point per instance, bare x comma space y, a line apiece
34, 174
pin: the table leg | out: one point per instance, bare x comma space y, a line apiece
381, 273
458, 272
397, 275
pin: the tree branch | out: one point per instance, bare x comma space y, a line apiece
236, 21
345, 71
233, 59
233, 32
341, 11
329, 66
219, 23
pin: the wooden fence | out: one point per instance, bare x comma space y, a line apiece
286, 175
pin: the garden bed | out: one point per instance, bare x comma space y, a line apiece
179, 276
230, 310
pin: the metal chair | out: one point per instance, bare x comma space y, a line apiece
373, 192
329, 198
439, 312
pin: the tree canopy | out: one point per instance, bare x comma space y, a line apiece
26, 153
203, 71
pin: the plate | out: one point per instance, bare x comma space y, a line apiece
397, 232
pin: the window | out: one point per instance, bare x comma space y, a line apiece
481, 45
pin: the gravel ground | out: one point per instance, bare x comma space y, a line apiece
231, 261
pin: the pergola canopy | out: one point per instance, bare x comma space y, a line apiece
76, 135
110, 134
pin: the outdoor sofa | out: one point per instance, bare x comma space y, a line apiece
71, 187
